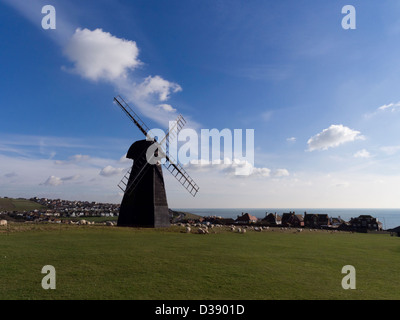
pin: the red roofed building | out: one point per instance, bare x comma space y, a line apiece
246, 218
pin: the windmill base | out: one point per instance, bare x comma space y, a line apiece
159, 218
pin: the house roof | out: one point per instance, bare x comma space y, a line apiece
397, 229
315, 216
337, 220
274, 216
287, 214
246, 217
365, 216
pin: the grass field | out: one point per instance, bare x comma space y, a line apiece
9, 204
92, 219
98, 262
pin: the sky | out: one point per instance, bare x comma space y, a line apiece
323, 101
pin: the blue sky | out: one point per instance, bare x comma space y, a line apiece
323, 101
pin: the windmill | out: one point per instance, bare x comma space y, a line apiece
145, 201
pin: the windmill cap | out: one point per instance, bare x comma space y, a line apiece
137, 149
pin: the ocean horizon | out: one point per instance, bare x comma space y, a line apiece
390, 218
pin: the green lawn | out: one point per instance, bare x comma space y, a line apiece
6, 204
9, 204
92, 219
96, 262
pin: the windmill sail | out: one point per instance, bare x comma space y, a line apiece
124, 181
132, 115
142, 166
182, 176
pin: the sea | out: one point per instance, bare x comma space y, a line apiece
390, 218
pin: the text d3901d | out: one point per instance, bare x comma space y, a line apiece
221, 309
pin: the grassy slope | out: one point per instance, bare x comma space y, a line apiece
10, 204
6, 204
123, 263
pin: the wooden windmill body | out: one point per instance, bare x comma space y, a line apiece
147, 206
145, 201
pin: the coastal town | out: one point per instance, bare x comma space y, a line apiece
363, 223
54, 210
65, 211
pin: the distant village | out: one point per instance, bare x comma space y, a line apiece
363, 223
54, 210
317, 221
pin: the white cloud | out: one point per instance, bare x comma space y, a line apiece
73, 159
124, 159
291, 139
332, 137
280, 173
71, 178
235, 168
243, 168
52, 181
75, 181
156, 86
362, 154
258, 172
166, 107
390, 150
99, 55
56, 181
109, 171
80, 157
391, 106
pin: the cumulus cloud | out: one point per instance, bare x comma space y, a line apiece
109, 171
249, 170
280, 173
73, 159
237, 167
56, 181
332, 137
124, 159
166, 107
99, 55
362, 154
43, 177
156, 86
71, 178
52, 181
246, 169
